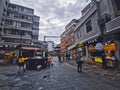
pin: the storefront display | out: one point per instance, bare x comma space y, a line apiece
109, 50
98, 59
94, 55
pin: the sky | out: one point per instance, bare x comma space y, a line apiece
54, 15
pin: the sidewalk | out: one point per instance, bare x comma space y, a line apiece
113, 74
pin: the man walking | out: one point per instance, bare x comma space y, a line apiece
49, 60
79, 62
21, 62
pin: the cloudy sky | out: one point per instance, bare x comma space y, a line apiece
54, 14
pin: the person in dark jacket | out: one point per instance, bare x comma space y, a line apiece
79, 62
103, 61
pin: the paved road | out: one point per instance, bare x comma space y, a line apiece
60, 76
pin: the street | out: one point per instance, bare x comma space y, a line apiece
60, 76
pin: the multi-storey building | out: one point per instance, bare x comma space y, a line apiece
87, 31
99, 23
84, 31
68, 38
50, 46
3, 9
57, 49
63, 43
35, 29
18, 24
20, 30
109, 22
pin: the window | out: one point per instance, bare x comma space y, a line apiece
78, 34
89, 26
25, 25
6, 3
118, 4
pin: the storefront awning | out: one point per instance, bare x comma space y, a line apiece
30, 48
72, 46
90, 38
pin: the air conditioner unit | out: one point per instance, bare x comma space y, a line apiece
104, 19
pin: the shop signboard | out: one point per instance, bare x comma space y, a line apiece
2, 47
98, 60
91, 48
80, 44
111, 46
99, 46
9, 47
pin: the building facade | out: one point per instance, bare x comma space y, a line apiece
35, 29
20, 30
99, 23
50, 46
68, 38
109, 22
3, 10
87, 31
18, 24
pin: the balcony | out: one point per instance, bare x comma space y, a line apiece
31, 12
17, 27
35, 27
17, 36
35, 33
113, 25
19, 19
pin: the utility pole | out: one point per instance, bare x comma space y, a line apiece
20, 44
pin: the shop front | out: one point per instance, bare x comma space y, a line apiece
110, 49
29, 51
71, 53
7, 53
95, 50
81, 47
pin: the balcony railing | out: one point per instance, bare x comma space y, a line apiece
112, 25
19, 19
17, 36
20, 11
17, 27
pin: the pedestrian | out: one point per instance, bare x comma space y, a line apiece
21, 62
66, 56
79, 62
114, 61
25, 62
104, 61
14, 60
49, 60
59, 58
52, 58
